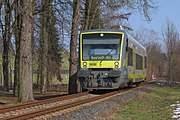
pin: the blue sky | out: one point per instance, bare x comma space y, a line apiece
168, 9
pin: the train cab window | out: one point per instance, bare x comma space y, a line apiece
130, 56
145, 62
139, 62
101, 47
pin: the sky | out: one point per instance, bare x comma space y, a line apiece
167, 9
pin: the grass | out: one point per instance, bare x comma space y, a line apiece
152, 106
65, 66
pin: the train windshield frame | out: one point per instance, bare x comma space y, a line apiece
101, 46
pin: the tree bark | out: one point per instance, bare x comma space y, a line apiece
87, 14
73, 48
44, 46
25, 81
91, 15
6, 40
17, 43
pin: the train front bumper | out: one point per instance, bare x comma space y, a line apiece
98, 74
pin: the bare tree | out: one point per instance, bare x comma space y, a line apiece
92, 18
170, 37
17, 31
73, 48
150, 39
177, 59
100, 14
51, 30
6, 42
44, 45
51, 52
25, 70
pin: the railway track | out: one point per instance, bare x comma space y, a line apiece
33, 106
58, 107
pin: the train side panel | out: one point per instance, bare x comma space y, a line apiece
136, 61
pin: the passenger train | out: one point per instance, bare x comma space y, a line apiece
110, 59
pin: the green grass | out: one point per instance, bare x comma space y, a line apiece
65, 66
152, 106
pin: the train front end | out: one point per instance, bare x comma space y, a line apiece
100, 56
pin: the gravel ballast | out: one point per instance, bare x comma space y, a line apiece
102, 110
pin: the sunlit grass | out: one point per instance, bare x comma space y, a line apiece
152, 106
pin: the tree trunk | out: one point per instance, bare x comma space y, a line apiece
87, 14
25, 81
171, 70
16, 73
38, 78
44, 46
92, 15
17, 43
17, 63
6, 40
170, 36
32, 37
73, 48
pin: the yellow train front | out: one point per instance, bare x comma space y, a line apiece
104, 62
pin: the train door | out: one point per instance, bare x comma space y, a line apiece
131, 69
145, 66
134, 63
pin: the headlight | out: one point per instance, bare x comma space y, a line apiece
84, 63
116, 63
101, 34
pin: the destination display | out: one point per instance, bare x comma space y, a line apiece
101, 57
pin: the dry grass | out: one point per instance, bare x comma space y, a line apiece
152, 106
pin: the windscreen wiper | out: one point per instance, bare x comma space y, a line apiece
106, 55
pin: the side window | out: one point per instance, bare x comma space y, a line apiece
127, 45
139, 62
145, 62
130, 56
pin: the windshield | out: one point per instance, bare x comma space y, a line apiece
101, 47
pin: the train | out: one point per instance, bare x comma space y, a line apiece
110, 59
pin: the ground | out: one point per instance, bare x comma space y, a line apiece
155, 101
7, 99
154, 105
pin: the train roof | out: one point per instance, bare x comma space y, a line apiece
134, 41
103, 30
